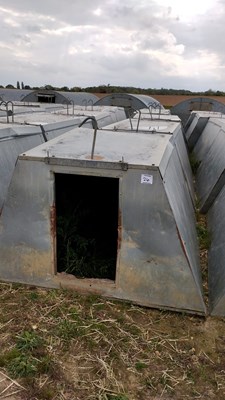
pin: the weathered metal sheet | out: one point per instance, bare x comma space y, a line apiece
216, 259
59, 97
13, 94
184, 108
146, 124
193, 130
10, 149
167, 125
157, 260
129, 101
18, 138
178, 141
183, 211
197, 122
110, 147
209, 151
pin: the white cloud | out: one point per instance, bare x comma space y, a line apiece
80, 43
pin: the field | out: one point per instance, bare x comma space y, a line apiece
56, 344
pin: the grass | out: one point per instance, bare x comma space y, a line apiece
61, 345
194, 163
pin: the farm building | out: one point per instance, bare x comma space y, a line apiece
107, 211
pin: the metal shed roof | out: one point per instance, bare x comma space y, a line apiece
79, 98
196, 124
134, 101
184, 108
124, 147
13, 94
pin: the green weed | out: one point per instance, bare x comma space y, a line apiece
194, 163
140, 365
28, 341
116, 397
204, 236
22, 366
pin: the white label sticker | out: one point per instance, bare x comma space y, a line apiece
147, 179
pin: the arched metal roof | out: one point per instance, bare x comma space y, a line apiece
13, 94
184, 108
54, 96
48, 96
133, 101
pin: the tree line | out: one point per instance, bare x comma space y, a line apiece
107, 89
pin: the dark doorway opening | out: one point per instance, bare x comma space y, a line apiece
46, 98
87, 225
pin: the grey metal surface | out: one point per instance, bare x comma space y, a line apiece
209, 151
179, 142
19, 138
37, 116
110, 147
79, 98
196, 124
59, 97
216, 259
9, 151
183, 210
184, 108
157, 258
132, 101
13, 94
166, 124
146, 124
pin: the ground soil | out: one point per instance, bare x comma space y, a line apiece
56, 344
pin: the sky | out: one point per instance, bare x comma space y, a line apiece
144, 43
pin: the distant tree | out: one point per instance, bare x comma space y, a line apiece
22, 85
219, 93
76, 89
48, 87
9, 86
64, 89
18, 85
27, 87
209, 92
1, 87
